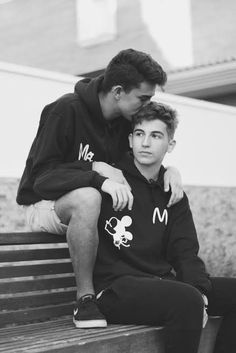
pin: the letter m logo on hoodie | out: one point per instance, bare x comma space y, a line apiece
85, 154
157, 213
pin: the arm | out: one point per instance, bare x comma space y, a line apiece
121, 194
183, 247
172, 179
53, 172
53, 176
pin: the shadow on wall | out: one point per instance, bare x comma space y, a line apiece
213, 209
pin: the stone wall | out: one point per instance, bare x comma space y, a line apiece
214, 212
213, 208
11, 215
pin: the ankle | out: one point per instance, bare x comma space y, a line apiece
84, 294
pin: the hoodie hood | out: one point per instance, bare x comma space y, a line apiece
72, 134
87, 89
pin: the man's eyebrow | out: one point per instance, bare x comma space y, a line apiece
152, 132
147, 96
157, 132
138, 129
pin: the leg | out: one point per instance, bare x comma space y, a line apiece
222, 301
75, 214
153, 301
80, 210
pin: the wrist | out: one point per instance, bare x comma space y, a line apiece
93, 165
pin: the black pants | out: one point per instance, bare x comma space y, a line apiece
175, 305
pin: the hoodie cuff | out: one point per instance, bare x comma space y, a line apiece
97, 181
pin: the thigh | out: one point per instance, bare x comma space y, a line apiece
41, 217
151, 301
222, 297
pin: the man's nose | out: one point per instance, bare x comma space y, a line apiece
146, 141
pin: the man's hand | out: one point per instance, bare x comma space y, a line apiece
172, 179
120, 193
110, 172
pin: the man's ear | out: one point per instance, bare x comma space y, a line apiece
171, 146
130, 137
116, 91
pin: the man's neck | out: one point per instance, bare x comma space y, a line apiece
108, 109
150, 172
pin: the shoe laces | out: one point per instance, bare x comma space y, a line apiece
87, 298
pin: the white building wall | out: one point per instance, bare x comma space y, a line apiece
205, 137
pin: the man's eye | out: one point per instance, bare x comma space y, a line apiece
138, 133
157, 136
143, 99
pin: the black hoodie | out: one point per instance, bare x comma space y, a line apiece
151, 239
72, 133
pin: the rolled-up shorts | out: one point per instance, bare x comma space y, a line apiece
41, 217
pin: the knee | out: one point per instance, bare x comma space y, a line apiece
187, 307
190, 302
190, 298
83, 203
86, 199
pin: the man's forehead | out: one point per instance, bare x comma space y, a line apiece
151, 125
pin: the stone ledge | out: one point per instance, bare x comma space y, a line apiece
213, 209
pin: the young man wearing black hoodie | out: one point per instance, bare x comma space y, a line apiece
147, 269
80, 135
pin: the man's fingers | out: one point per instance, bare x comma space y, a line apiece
125, 182
171, 201
166, 184
114, 199
130, 200
175, 196
127, 198
120, 194
124, 198
120, 200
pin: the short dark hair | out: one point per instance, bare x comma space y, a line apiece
131, 67
153, 111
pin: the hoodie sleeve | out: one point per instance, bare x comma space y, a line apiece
183, 247
53, 175
64, 178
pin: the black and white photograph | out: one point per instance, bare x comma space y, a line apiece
118, 176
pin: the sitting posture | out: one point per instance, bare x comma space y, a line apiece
148, 270
80, 136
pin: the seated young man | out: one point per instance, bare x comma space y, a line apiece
80, 136
147, 269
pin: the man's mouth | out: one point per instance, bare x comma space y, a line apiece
145, 153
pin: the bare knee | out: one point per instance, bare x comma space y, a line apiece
86, 198
81, 203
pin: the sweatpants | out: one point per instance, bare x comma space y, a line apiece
175, 305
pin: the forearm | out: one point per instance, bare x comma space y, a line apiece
52, 184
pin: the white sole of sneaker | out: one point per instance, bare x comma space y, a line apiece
89, 323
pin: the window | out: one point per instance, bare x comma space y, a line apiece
96, 21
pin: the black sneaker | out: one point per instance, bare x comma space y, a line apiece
87, 314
